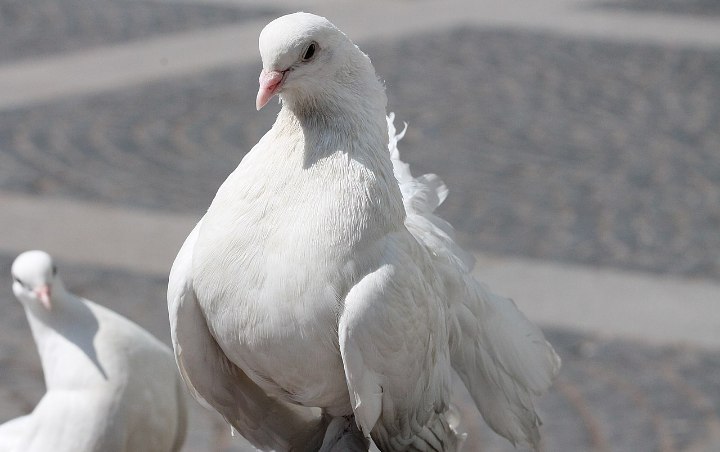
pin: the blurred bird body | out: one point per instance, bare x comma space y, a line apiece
319, 277
111, 386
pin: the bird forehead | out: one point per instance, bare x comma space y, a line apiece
32, 265
286, 34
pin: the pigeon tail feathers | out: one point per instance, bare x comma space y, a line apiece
501, 357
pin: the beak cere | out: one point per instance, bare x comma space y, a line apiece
43, 293
270, 84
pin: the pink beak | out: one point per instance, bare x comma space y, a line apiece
43, 293
270, 84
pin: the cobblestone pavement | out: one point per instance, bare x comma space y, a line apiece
555, 148
693, 7
572, 150
31, 28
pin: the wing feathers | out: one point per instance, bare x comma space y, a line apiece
394, 345
504, 361
502, 358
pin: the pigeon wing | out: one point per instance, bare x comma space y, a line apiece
394, 346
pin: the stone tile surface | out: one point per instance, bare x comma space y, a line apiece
702, 8
33, 28
553, 148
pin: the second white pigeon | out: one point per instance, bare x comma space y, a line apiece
111, 386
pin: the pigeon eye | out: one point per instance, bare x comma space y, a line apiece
310, 51
17, 280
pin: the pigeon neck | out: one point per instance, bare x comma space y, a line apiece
345, 116
65, 336
352, 102
64, 308
348, 114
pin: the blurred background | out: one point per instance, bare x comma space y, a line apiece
580, 140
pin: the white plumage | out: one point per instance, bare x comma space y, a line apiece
111, 386
320, 277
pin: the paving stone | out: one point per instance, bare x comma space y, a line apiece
553, 148
576, 150
692, 7
32, 28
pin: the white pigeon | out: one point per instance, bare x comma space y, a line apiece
319, 277
111, 386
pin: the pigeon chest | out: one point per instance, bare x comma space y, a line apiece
279, 248
272, 292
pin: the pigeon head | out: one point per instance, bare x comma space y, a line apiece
34, 275
306, 58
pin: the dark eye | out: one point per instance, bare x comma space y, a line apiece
17, 280
310, 51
